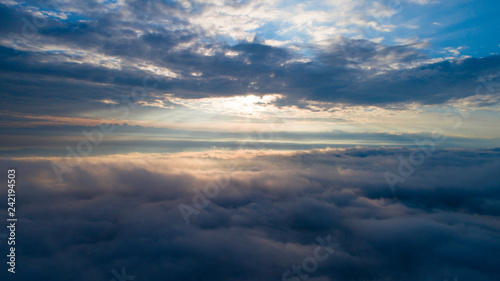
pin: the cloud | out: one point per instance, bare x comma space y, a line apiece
122, 211
224, 69
102, 55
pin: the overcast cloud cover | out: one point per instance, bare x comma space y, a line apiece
240, 139
122, 211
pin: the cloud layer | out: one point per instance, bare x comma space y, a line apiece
100, 52
123, 211
289, 76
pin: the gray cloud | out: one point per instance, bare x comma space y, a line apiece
122, 211
71, 80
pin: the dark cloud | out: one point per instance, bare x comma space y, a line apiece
130, 37
122, 211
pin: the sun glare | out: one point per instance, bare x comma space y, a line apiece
250, 106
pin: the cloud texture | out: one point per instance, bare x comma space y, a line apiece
123, 211
100, 52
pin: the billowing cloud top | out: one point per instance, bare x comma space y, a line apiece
257, 215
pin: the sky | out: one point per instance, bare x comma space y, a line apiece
372, 123
323, 73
